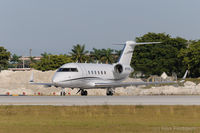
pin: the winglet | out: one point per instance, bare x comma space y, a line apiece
184, 77
32, 78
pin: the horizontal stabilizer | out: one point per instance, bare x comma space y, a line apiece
138, 43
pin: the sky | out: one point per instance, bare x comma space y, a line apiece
54, 26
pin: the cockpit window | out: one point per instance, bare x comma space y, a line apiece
67, 70
74, 70
64, 70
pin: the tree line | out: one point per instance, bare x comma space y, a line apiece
171, 55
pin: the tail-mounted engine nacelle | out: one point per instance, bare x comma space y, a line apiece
118, 68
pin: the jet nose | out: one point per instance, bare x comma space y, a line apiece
55, 78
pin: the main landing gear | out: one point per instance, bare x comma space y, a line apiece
109, 92
83, 92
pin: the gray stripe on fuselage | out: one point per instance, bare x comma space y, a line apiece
89, 78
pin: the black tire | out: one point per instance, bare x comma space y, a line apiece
82, 93
109, 93
85, 92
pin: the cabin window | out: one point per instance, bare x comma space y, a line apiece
67, 70
102, 72
95, 72
88, 72
98, 72
92, 72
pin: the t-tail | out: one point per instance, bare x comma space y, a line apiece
127, 52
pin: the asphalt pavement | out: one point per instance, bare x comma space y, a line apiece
99, 100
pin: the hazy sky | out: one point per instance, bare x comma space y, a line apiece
55, 26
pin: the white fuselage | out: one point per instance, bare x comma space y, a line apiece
85, 75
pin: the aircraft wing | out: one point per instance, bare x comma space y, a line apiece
44, 84
125, 84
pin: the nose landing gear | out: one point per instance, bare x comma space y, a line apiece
63, 93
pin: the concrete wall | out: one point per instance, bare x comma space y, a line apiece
18, 82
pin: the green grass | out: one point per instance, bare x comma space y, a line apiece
100, 119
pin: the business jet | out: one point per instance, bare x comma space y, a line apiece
106, 76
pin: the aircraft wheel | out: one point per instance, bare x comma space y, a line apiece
84, 93
109, 93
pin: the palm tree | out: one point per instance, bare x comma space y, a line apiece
45, 54
96, 54
78, 53
108, 55
15, 59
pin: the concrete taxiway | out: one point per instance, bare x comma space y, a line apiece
99, 100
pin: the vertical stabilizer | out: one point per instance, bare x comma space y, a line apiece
127, 52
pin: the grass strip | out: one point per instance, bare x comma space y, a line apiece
98, 119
